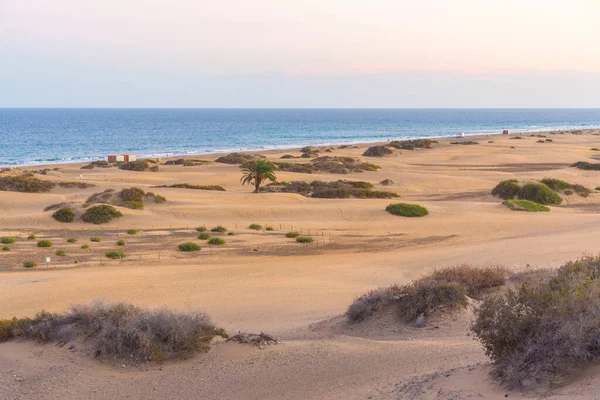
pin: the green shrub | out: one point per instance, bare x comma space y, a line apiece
189, 246
581, 190
65, 214
412, 144
134, 205
292, 235
304, 239
132, 231
29, 264
269, 228
545, 328
133, 194
115, 255
219, 229
194, 187
216, 241
85, 246
61, 253
44, 243
539, 193
201, 229
72, 240
101, 214
31, 237
138, 165
568, 192
5, 248
230, 233
507, 189
95, 239
556, 184
407, 210
204, 236
8, 240
120, 243
255, 227
525, 205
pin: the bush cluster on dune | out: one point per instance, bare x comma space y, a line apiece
121, 331
539, 331
446, 288
101, 214
407, 210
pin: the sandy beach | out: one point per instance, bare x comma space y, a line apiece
263, 281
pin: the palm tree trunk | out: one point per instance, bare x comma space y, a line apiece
256, 185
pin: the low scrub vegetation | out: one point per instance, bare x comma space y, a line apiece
304, 239
255, 227
292, 235
260, 340
120, 243
61, 253
139, 165
8, 240
407, 210
586, 166
540, 331
133, 194
525, 205
189, 246
85, 246
219, 228
236, 158
71, 240
561, 186
133, 205
65, 214
29, 264
468, 143
507, 189
204, 236
44, 243
412, 144
31, 237
187, 163
26, 183
216, 241
445, 289
120, 331
341, 189
539, 193
5, 248
194, 187
96, 239
132, 231
201, 229
101, 214
378, 151
115, 255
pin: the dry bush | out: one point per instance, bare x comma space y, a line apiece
75, 185
260, 340
586, 166
444, 289
525, 205
132, 194
187, 163
139, 165
293, 167
474, 279
507, 189
97, 164
121, 331
537, 333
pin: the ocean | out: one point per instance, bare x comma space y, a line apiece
47, 136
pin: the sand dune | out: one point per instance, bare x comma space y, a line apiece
263, 281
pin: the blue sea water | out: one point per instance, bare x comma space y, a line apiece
43, 136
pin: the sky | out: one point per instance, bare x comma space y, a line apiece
308, 53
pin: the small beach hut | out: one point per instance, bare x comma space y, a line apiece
506, 132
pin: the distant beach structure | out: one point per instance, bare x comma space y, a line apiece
462, 134
121, 157
506, 132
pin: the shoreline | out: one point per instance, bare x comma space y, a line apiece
285, 148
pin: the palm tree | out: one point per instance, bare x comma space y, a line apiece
256, 172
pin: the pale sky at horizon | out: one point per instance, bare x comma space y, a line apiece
327, 53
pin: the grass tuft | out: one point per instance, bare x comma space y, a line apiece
304, 239
115, 255
216, 241
525, 205
189, 246
44, 243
